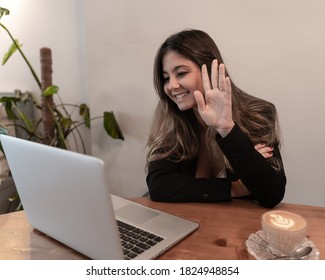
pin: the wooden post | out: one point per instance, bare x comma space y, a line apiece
47, 102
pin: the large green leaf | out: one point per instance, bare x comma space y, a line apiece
9, 103
14, 112
4, 11
11, 51
111, 126
66, 122
50, 91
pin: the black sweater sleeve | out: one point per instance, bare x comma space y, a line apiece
171, 181
176, 181
266, 184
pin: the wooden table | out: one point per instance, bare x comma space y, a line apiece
224, 228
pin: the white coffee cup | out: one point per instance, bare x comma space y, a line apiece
285, 231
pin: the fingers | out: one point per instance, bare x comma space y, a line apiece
264, 150
214, 74
228, 85
218, 77
199, 100
259, 146
222, 77
205, 78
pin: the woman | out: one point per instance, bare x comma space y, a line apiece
209, 141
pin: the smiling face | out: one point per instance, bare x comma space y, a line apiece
181, 78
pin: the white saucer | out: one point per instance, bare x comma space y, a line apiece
259, 249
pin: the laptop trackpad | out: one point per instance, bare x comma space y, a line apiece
135, 213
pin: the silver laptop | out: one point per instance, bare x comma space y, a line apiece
66, 196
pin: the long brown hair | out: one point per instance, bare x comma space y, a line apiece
175, 134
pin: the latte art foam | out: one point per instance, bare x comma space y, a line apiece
280, 221
284, 220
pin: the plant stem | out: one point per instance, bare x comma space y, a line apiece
24, 57
47, 101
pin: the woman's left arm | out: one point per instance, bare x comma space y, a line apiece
264, 182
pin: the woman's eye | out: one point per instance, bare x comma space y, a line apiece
166, 79
181, 74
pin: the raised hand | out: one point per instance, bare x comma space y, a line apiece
214, 105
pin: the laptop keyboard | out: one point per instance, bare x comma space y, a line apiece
135, 240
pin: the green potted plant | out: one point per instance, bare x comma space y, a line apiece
53, 121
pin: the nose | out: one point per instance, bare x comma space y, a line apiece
172, 84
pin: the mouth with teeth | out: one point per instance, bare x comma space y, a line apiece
181, 95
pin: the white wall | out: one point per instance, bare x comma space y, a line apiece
273, 49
